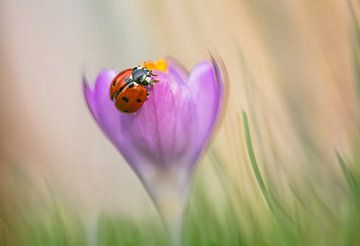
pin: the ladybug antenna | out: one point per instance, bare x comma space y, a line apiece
154, 74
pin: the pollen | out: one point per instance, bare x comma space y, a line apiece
159, 65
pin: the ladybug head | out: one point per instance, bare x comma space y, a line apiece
142, 75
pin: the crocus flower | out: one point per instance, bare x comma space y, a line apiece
164, 139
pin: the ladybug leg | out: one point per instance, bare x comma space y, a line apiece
153, 81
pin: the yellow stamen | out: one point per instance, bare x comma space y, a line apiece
159, 65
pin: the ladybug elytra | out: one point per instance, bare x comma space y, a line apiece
128, 89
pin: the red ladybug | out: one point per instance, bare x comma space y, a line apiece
128, 89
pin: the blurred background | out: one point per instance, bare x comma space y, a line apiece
290, 67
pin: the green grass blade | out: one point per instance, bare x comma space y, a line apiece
254, 163
351, 180
286, 229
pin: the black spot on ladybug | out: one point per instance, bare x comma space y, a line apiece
114, 83
138, 100
125, 99
126, 111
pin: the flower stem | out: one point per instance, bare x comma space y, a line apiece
170, 205
174, 227
169, 199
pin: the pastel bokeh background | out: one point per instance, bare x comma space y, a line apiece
289, 66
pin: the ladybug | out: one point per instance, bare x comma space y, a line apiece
128, 89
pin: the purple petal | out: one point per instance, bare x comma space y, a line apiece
102, 87
177, 72
160, 131
205, 86
103, 109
